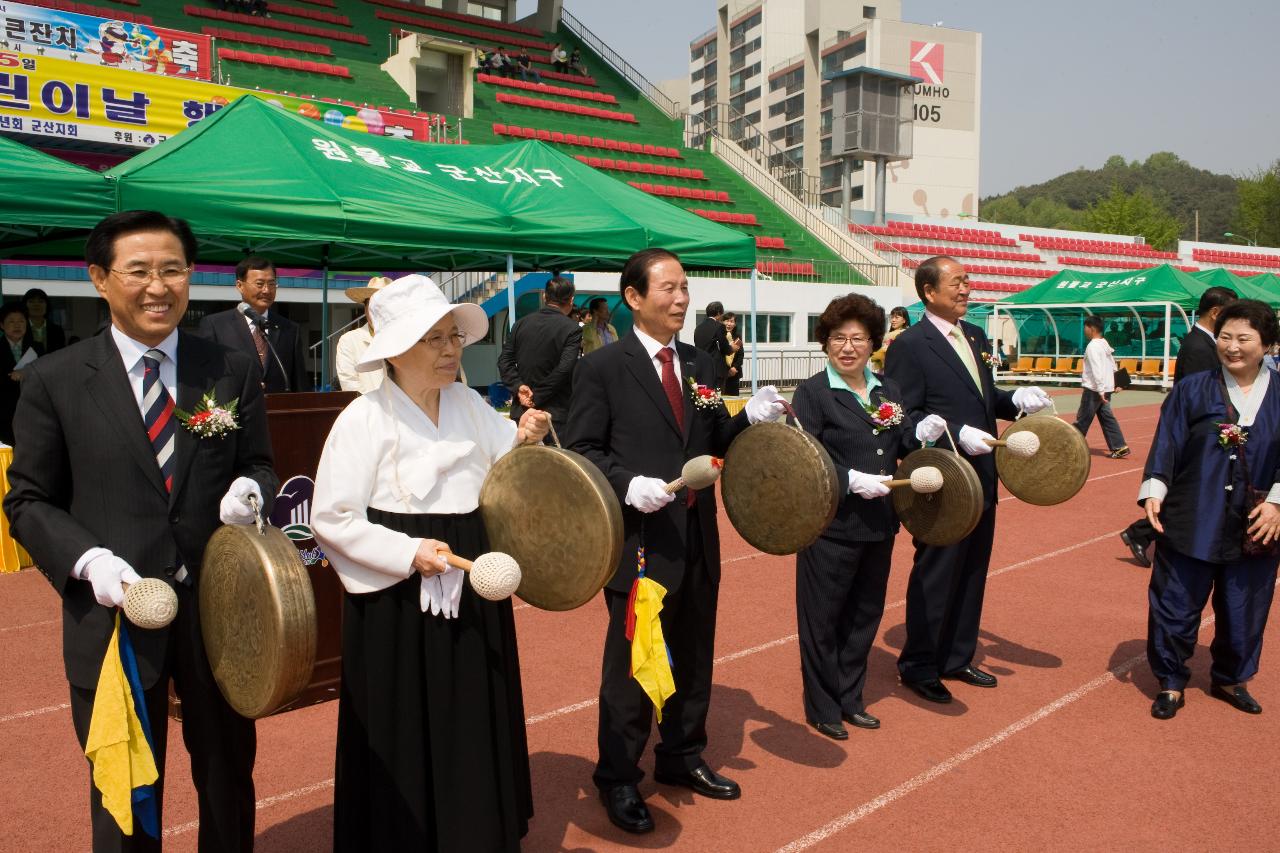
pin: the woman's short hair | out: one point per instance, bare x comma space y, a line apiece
1258, 315
857, 307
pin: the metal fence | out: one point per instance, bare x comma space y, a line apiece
620, 65
783, 368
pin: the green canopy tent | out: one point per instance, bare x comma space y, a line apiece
1145, 313
46, 199
1260, 287
257, 178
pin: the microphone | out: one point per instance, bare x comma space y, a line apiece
261, 322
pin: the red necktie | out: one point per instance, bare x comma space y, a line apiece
671, 386
259, 343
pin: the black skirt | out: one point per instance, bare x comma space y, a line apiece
432, 754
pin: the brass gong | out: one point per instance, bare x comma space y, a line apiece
948, 515
258, 617
556, 514
780, 487
1056, 472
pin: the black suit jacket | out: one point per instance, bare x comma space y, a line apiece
1197, 353
9, 389
84, 475
230, 329
620, 420
55, 338
711, 337
541, 352
934, 381
845, 429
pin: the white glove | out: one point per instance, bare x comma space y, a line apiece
1031, 399
867, 485
930, 428
765, 405
108, 574
974, 441
648, 494
235, 508
439, 594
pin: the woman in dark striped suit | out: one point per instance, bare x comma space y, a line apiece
841, 578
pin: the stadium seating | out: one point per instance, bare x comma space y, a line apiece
456, 16
726, 217
924, 231
1097, 247
273, 24
562, 91
592, 142
798, 268
416, 18
772, 243
311, 14
1108, 263
1232, 257
560, 106
287, 62
721, 196
921, 249
610, 164
999, 286
95, 11
268, 41
326, 3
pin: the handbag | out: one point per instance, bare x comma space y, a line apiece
1122, 379
1249, 547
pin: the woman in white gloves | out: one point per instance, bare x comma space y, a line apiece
841, 578
431, 742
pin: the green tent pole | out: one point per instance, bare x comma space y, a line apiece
324, 323
511, 291
755, 337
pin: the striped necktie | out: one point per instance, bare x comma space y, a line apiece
157, 415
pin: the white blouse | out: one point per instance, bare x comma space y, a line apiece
384, 452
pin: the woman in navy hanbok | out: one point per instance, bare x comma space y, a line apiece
1216, 451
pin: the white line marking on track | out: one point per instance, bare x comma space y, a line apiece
264, 803
35, 712
29, 625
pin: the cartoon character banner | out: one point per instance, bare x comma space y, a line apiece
44, 96
116, 44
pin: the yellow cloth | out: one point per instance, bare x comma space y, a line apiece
650, 665
12, 555
116, 745
962, 348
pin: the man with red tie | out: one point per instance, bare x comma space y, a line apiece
633, 415
257, 328
111, 481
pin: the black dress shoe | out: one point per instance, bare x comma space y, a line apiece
626, 809
703, 780
973, 675
931, 690
863, 720
1139, 551
835, 731
1237, 696
1167, 704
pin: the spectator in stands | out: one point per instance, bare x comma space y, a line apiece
1197, 352
258, 7
733, 379
598, 331
524, 65
1097, 385
539, 355
13, 322
351, 345
484, 59
710, 337
575, 62
502, 63
43, 335
1213, 498
559, 59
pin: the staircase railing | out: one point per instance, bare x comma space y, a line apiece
732, 125
621, 66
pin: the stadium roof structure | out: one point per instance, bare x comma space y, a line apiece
256, 177
46, 198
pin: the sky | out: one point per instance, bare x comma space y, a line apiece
1093, 78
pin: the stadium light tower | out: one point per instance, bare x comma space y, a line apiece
872, 118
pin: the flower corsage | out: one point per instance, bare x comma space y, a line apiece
1231, 435
210, 419
992, 359
884, 416
705, 397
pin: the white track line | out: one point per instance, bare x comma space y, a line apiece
265, 803
29, 625
34, 712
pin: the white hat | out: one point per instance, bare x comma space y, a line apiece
404, 311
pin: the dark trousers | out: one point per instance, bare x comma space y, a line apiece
1091, 403
1179, 589
944, 603
222, 745
840, 588
626, 712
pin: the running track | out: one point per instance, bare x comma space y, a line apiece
1062, 756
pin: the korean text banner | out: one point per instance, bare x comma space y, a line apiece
34, 30
44, 96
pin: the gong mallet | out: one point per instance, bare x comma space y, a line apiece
495, 575
698, 473
1023, 445
150, 603
924, 480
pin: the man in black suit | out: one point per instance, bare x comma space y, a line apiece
538, 356
108, 486
13, 323
710, 337
1197, 352
633, 416
274, 340
938, 363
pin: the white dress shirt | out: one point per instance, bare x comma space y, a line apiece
384, 452
651, 347
1099, 372
351, 347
